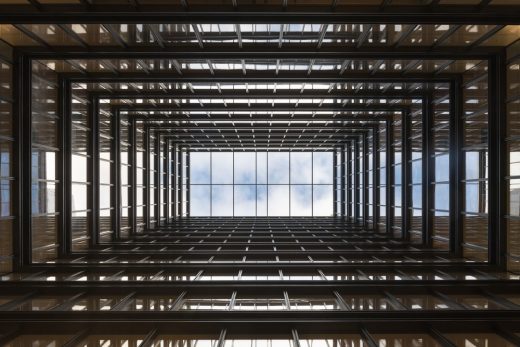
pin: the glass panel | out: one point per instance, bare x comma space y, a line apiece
278, 168
278, 200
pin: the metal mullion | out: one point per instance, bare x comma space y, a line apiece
405, 175
290, 184
375, 178
64, 167
365, 181
211, 183
357, 180
133, 176
146, 176
166, 176
498, 161
390, 152
175, 183
349, 180
157, 179
188, 190
267, 181
334, 182
233, 183
115, 173
428, 171
342, 183
456, 168
22, 91
93, 171
180, 178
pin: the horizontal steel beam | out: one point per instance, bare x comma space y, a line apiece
340, 267
287, 318
261, 107
259, 288
341, 14
261, 126
338, 119
285, 77
305, 94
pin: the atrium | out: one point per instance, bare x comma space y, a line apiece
260, 173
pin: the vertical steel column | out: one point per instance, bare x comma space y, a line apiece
157, 179
22, 116
132, 177
497, 231
188, 193
390, 201
166, 177
356, 180
405, 175
179, 179
174, 182
428, 171
334, 182
64, 167
93, 171
115, 173
342, 182
456, 167
375, 178
349, 182
365, 180
146, 176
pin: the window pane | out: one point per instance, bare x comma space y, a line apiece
222, 168
200, 200
322, 168
199, 168
301, 200
322, 200
245, 168
245, 200
278, 200
301, 168
278, 168
222, 200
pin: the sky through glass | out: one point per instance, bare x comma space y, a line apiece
261, 184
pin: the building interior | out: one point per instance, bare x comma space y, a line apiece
260, 173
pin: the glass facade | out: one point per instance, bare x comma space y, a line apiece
265, 174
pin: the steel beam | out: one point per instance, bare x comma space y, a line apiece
498, 161
457, 169
115, 174
93, 171
64, 192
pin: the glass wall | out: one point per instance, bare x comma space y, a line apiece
6, 159
397, 184
140, 177
261, 183
440, 161
475, 152
80, 167
44, 160
415, 167
513, 165
107, 184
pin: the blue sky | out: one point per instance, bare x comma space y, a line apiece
277, 198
